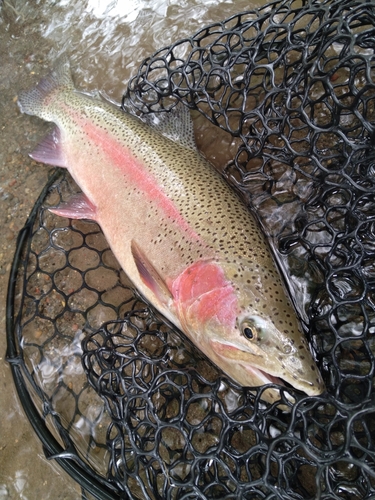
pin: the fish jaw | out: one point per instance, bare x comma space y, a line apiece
258, 367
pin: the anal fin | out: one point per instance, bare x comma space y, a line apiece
77, 207
150, 276
49, 150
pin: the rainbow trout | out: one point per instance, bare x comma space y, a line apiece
184, 238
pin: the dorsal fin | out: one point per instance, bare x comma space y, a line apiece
176, 124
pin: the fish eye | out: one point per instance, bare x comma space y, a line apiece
249, 330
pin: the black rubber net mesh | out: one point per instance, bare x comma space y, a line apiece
120, 398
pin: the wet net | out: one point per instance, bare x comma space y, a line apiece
120, 398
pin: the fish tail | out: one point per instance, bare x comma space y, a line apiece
35, 100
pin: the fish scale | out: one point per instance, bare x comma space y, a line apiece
182, 235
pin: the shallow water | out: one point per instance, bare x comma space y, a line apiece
106, 43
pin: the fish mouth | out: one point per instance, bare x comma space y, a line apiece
263, 377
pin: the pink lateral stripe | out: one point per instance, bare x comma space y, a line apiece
136, 173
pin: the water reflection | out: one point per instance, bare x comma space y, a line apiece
128, 10
107, 40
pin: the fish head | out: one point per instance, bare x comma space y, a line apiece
245, 323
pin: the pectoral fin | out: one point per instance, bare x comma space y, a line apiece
77, 207
150, 276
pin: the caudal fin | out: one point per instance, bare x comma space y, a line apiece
34, 101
